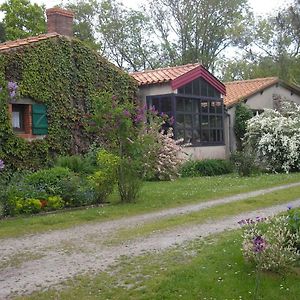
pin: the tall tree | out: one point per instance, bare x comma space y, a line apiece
85, 21
272, 48
198, 30
127, 36
22, 19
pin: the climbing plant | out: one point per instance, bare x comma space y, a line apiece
66, 76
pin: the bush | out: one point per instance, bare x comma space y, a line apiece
76, 163
208, 167
270, 243
18, 206
54, 203
104, 179
244, 162
48, 181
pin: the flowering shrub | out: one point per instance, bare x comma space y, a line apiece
270, 242
274, 136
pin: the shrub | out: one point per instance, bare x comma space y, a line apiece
270, 243
242, 114
75, 163
54, 203
18, 206
208, 167
274, 137
244, 162
104, 179
49, 180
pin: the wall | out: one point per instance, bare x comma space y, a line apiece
206, 152
152, 90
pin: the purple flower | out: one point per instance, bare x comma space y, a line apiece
259, 244
2, 165
153, 110
126, 113
12, 86
12, 94
289, 207
172, 121
139, 118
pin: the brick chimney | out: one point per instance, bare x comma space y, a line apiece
60, 20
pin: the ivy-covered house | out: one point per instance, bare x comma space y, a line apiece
48, 85
194, 98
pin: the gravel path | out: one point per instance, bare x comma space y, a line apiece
38, 261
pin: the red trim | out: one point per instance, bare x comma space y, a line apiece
195, 73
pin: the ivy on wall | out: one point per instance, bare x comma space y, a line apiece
66, 76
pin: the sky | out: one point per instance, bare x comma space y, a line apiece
260, 7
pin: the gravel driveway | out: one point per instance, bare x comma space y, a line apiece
35, 262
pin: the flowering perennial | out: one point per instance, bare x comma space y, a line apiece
270, 242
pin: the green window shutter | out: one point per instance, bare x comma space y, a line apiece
39, 119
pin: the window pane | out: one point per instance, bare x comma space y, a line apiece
219, 122
180, 120
180, 134
188, 135
155, 103
204, 107
179, 104
188, 89
205, 135
16, 119
166, 104
204, 122
188, 121
212, 120
204, 89
212, 107
196, 136
188, 105
218, 107
196, 87
210, 91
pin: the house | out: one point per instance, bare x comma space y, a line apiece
58, 79
194, 98
258, 94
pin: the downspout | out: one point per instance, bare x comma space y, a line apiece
229, 132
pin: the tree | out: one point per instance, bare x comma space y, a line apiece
272, 48
85, 21
22, 19
198, 30
2, 33
127, 37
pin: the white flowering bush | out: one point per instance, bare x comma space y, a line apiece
274, 136
270, 242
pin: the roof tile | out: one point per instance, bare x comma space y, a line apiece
237, 91
162, 75
27, 41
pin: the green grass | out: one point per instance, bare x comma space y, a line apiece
203, 269
216, 212
154, 196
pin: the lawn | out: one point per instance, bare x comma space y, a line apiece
154, 196
213, 268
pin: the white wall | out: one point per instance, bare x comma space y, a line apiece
206, 152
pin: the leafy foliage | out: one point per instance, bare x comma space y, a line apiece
66, 76
242, 114
22, 19
207, 167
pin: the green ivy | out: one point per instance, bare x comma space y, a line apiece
66, 76
242, 114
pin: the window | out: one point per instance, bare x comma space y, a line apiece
198, 118
18, 115
29, 119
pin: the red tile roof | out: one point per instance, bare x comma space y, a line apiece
177, 76
237, 91
162, 75
27, 41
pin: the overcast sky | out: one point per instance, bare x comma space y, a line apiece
259, 6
